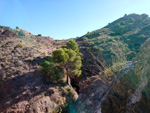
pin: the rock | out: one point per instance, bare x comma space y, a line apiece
17, 54
128, 93
42, 105
90, 96
19, 63
8, 33
9, 57
18, 50
15, 58
13, 68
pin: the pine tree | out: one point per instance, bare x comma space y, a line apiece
69, 57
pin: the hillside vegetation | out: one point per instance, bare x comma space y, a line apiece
119, 40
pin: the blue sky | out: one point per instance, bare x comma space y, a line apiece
63, 19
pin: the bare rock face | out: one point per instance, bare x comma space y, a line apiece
91, 94
128, 93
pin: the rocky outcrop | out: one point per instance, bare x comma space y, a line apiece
92, 93
131, 92
96, 90
127, 93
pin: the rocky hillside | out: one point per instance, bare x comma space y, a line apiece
119, 40
128, 92
22, 88
124, 42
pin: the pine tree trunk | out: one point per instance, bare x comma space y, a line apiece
67, 76
68, 82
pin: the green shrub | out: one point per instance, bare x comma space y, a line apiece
122, 23
39, 35
21, 33
120, 45
50, 59
131, 19
85, 38
68, 89
120, 29
90, 43
100, 49
97, 42
116, 67
117, 38
108, 72
50, 69
70, 94
9, 63
103, 41
95, 48
8, 27
17, 27
128, 39
19, 45
109, 40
